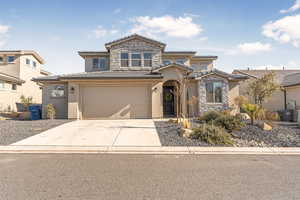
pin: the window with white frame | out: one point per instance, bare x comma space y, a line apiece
136, 60
147, 59
99, 63
27, 61
2, 85
58, 91
124, 59
10, 59
214, 92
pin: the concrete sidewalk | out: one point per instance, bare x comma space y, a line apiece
150, 150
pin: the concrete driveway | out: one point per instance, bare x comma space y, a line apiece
138, 132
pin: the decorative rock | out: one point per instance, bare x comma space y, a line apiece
264, 126
186, 132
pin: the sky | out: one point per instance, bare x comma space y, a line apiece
242, 33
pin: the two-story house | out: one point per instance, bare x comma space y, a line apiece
136, 78
17, 68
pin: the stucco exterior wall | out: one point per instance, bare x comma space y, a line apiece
8, 98
60, 103
12, 69
131, 46
204, 106
293, 95
193, 99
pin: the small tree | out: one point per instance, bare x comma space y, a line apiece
26, 102
50, 111
262, 88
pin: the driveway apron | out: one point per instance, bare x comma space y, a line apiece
136, 132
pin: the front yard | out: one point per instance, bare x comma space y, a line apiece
12, 131
284, 134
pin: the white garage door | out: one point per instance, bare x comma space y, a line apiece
115, 102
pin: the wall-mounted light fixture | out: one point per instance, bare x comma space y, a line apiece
72, 90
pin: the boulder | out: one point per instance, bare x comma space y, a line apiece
185, 132
264, 126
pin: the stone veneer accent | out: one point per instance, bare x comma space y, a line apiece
203, 105
135, 45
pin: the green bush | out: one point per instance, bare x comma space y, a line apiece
212, 134
210, 116
224, 120
230, 123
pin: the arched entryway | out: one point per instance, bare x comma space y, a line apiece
170, 98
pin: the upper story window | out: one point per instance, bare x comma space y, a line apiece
58, 91
199, 67
214, 92
180, 61
166, 62
34, 64
147, 59
99, 63
136, 60
10, 59
27, 61
124, 60
1, 59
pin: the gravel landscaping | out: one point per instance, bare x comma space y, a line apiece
284, 134
12, 131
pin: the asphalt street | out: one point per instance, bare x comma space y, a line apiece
98, 176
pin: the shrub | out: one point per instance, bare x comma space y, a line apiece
50, 111
253, 110
230, 123
240, 100
210, 115
26, 102
272, 116
211, 134
224, 120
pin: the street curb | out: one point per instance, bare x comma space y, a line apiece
185, 150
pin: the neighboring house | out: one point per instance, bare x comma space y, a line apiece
136, 78
289, 92
17, 68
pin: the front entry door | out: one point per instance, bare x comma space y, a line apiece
168, 101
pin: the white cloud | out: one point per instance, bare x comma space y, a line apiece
3, 34
181, 27
295, 7
117, 10
284, 30
100, 32
255, 47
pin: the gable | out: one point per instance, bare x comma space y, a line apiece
136, 39
136, 44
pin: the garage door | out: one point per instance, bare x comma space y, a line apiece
115, 102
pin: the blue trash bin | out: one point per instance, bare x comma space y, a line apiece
35, 112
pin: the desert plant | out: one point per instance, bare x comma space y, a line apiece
186, 123
210, 115
212, 134
240, 100
252, 110
50, 111
262, 88
230, 123
272, 116
26, 102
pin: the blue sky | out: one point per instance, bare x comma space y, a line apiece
253, 33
